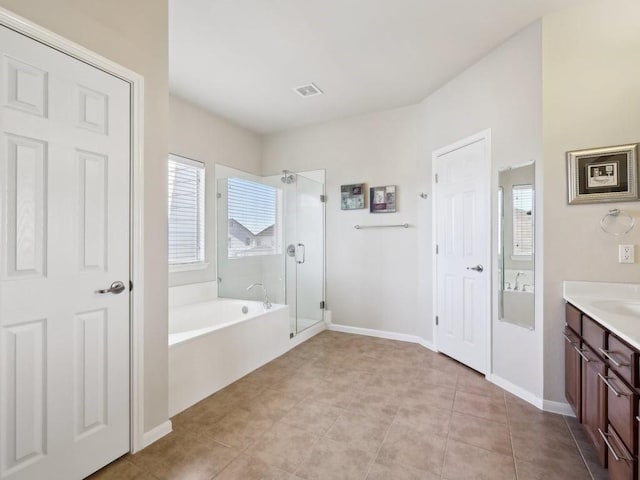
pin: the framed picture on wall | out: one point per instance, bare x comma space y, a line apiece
607, 174
352, 196
382, 199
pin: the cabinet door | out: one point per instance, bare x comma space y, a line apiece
621, 408
622, 465
593, 401
572, 373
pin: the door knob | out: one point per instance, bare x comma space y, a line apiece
477, 268
115, 288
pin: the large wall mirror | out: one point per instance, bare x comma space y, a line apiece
516, 246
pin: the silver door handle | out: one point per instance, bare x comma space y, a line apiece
477, 268
304, 253
115, 288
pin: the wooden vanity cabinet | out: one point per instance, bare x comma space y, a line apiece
572, 372
594, 397
602, 385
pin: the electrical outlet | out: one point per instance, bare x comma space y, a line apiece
625, 254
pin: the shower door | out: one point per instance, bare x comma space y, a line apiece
305, 269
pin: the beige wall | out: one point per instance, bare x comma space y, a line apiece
591, 99
133, 34
201, 135
502, 92
371, 275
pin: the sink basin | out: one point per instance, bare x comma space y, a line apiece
619, 307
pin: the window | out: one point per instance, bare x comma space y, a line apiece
186, 212
522, 220
252, 214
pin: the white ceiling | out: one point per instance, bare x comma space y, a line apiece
241, 58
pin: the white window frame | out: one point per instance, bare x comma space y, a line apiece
202, 262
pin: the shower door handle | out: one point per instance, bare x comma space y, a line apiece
304, 253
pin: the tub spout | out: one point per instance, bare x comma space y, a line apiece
267, 304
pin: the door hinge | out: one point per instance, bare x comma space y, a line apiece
323, 198
218, 195
322, 305
130, 285
437, 249
436, 178
437, 320
219, 279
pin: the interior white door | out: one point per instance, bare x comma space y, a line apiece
463, 226
64, 218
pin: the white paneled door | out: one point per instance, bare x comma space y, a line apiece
64, 225
463, 227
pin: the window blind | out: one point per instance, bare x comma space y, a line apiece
252, 213
186, 211
523, 220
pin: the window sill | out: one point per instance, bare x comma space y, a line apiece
188, 267
522, 258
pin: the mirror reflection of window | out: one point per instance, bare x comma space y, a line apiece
522, 220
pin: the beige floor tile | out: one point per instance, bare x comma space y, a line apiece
240, 428
247, 468
333, 393
480, 433
473, 382
283, 446
334, 461
421, 394
466, 462
489, 408
184, 456
434, 376
376, 404
313, 416
425, 419
551, 469
398, 472
359, 431
539, 449
122, 470
408, 447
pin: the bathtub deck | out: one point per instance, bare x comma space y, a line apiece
348, 406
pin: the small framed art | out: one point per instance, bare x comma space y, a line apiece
606, 174
352, 196
382, 199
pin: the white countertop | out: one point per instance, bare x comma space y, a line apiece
596, 299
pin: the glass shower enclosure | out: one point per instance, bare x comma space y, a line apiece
271, 231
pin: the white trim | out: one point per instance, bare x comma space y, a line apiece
486, 136
516, 390
156, 433
188, 267
561, 408
57, 42
402, 337
307, 333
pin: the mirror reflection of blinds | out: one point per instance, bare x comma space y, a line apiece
186, 211
252, 212
523, 198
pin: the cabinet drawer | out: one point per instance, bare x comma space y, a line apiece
622, 465
592, 333
621, 358
573, 318
621, 409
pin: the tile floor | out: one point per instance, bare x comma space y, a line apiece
343, 406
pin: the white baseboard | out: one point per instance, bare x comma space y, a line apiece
156, 433
402, 337
306, 334
516, 390
562, 408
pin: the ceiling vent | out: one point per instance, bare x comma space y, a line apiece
309, 90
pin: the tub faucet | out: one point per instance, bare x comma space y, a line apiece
516, 286
265, 302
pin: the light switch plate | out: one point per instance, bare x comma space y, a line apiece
626, 254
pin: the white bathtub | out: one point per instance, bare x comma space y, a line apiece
213, 343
